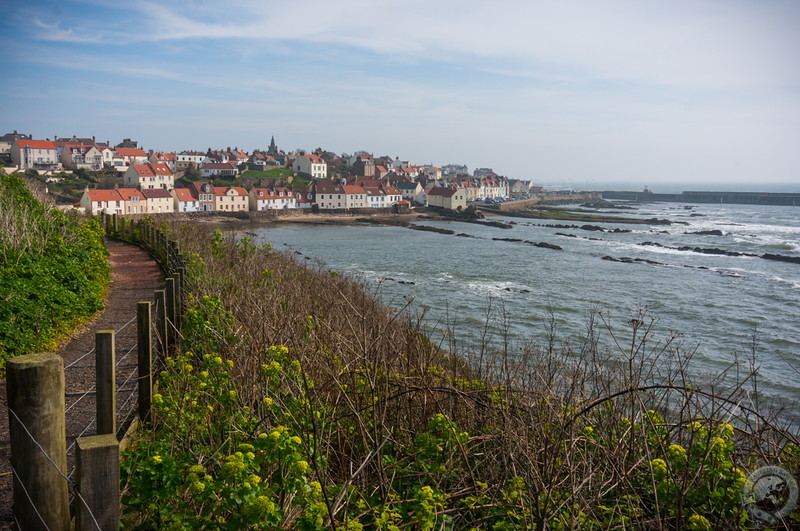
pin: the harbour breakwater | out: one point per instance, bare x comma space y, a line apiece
733, 198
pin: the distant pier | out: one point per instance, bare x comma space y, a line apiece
735, 198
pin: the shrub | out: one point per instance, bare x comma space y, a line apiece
53, 270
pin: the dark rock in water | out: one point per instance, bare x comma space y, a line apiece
629, 260
513, 240
524, 291
428, 228
464, 235
592, 228
507, 289
619, 231
696, 215
548, 246
564, 234
406, 282
781, 258
715, 232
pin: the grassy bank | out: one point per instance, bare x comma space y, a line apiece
299, 401
53, 269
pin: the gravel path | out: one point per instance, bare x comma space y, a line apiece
134, 277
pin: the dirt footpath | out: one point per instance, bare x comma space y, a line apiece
134, 277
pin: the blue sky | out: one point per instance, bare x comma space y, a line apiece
581, 93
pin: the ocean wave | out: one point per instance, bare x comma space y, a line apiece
794, 284
496, 289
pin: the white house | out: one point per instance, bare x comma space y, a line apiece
311, 165
304, 198
187, 159
219, 169
185, 201
125, 157
97, 201
412, 192
272, 199
35, 154
81, 156
167, 159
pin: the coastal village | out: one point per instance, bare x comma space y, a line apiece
153, 182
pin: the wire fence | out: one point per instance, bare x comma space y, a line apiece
35, 502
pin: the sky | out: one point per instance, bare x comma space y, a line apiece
585, 93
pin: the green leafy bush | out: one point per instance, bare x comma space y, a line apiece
53, 270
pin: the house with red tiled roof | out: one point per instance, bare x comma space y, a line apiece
381, 172
139, 176
184, 200
151, 175
354, 196
304, 198
168, 159
128, 157
311, 165
158, 201
35, 154
277, 198
97, 201
135, 202
230, 199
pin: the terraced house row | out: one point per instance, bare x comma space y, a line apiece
205, 197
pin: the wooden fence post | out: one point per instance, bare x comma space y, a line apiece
144, 330
161, 322
171, 310
97, 472
38, 440
178, 302
106, 397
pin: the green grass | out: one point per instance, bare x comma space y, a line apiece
274, 173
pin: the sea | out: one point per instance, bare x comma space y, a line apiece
700, 283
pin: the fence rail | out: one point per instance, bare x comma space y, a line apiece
44, 488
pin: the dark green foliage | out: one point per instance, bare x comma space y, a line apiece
53, 270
